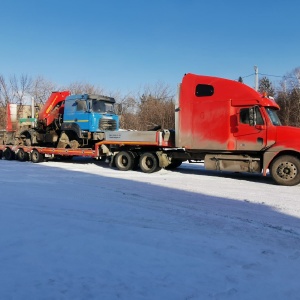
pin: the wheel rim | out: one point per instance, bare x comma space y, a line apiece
21, 154
287, 170
35, 156
8, 154
123, 160
149, 162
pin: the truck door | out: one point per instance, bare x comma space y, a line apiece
81, 116
249, 136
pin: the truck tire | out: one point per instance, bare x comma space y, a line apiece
36, 156
1, 154
22, 155
285, 170
124, 161
174, 164
149, 162
8, 154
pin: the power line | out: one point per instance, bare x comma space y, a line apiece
248, 75
294, 77
269, 75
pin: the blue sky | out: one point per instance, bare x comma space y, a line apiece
125, 45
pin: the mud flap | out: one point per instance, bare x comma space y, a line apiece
163, 159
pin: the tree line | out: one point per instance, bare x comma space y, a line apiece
286, 94
149, 108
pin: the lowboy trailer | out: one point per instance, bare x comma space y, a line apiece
117, 147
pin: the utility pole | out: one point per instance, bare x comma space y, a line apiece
32, 112
256, 78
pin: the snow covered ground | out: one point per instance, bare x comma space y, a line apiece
80, 230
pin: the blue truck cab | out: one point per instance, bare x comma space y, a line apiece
86, 117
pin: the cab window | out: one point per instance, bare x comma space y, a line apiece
244, 116
81, 106
204, 90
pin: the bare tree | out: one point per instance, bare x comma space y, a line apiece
288, 97
20, 87
4, 98
5, 91
127, 107
156, 108
41, 88
285, 105
84, 88
150, 108
15, 90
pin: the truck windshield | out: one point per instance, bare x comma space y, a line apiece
272, 112
102, 106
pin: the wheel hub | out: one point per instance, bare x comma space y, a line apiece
149, 163
287, 170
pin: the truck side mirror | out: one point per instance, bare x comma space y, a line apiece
252, 116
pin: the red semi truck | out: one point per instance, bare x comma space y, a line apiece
223, 123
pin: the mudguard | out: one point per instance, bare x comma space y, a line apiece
72, 127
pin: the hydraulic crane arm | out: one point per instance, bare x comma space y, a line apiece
53, 107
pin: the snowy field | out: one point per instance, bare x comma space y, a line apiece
80, 230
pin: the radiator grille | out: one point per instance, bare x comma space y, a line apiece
107, 124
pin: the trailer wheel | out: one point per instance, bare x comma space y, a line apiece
285, 170
149, 162
124, 161
36, 156
8, 154
22, 155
